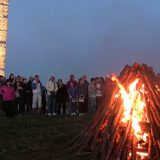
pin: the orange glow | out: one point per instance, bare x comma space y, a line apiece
133, 102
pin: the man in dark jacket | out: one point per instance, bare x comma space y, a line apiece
29, 94
62, 96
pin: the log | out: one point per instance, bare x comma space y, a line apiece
106, 138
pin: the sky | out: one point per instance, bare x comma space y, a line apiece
92, 37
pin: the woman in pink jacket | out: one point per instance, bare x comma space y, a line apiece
8, 93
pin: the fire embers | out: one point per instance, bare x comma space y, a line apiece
127, 125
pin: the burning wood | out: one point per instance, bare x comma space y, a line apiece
127, 125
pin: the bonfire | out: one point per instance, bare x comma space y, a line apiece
127, 125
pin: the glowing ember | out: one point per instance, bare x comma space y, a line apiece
3, 33
134, 109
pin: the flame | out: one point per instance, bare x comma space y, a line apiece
134, 105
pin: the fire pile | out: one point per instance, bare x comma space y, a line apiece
127, 125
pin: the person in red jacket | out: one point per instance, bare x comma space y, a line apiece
8, 93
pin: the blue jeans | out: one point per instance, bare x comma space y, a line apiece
92, 105
51, 104
73, 107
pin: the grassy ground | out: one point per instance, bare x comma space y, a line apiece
39, 137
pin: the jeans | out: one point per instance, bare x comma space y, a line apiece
73, 107
92, 105
51, 104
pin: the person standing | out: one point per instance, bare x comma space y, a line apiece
37, 94
85, 80
82, 92
22, 95
72, 79
87, 84
29, 94
17, 88
72, 93
11, 79
8, 93
99, 92
44, 100
52, 89
92, 96
62, 96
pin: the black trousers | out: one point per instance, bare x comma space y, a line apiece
21, 105
63, 105
82, 107
28, 100
9, 108
17, 104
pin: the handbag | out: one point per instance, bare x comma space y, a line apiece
81, 99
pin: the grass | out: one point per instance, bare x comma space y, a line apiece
39, 137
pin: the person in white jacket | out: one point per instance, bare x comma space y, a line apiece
52, 89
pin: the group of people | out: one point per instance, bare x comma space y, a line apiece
19, 95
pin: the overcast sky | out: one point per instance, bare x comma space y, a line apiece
93, 37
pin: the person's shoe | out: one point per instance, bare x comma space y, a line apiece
49, 114
54, 114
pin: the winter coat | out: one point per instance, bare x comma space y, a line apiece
51, 87
62, 94
82, 90
72, 91
8, 93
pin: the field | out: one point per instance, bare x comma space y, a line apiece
39, 137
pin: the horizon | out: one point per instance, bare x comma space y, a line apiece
93, 38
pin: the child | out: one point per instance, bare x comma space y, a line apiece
72, 92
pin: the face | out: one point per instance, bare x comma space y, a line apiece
25, 81
60, 82
93, 82
31, 78
82, 81
37, 78
21, 79
72, 77
85, 77
52, 78
98, 80
12, 76
8, 83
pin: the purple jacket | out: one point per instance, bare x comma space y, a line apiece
8, 93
